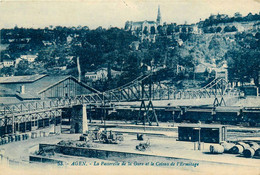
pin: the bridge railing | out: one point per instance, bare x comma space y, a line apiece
133, 91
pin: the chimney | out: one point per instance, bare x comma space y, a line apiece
22, 89
78, 65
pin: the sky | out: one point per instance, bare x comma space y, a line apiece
114, 13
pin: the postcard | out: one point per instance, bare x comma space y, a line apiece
129, 87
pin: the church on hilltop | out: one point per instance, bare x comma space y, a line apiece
144, 27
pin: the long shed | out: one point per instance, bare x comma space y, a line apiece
35, 87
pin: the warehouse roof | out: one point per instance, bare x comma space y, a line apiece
34, 85
21, 79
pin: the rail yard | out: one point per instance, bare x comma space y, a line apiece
135, 126
165, 151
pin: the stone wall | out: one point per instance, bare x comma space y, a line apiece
79, 123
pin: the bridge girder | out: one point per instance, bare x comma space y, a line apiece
135, 91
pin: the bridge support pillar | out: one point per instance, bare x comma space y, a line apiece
79, 123
84, 118
147, 114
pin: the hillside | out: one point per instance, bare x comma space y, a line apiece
208, 47
129, 55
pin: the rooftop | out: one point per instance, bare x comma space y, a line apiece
34, 85
21, 79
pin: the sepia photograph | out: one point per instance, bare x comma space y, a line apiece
113, 87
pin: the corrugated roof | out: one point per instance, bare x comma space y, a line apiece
37, 86
27, 97
62, 78
21, 79
4, 90
9, 100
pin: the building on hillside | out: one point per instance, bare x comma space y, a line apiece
188, 28
47, 43
8, 62
11, 40
202, 67
203, 70
101, 74
180, 69
144, 27
221, 73
69, 39
36, 87
134, 45
29, 58
91, 75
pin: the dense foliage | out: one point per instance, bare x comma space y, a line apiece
57, 49
244, 59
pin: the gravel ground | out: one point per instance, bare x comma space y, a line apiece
162, 146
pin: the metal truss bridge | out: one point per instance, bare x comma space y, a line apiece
140, 89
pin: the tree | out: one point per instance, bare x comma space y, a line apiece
237, 70
218, 29
145, 31
6, 71
23, 68
160, 30
184, 30
152, 30
184, 36
169, 29
230, 29
237, 15
186, 61
244, 62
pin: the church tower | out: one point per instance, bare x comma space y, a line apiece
159, 18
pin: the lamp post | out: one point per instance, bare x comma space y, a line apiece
199, 146
173, 112
199, 139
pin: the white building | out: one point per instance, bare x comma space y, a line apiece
47, 43
8, 62
221, 73
91, 75
203, 67
29, 58
101, 74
